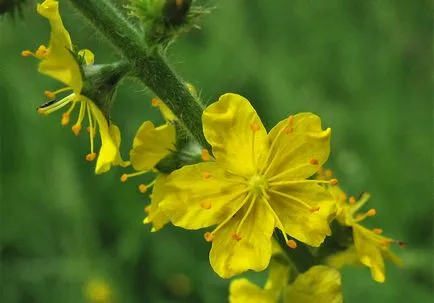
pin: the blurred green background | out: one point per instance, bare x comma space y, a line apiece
364, 66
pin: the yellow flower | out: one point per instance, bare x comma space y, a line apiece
320, 284
59, 62
256, 183
97, 291
370, 247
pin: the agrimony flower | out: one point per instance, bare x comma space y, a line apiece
256, 183
59, 61
97, 291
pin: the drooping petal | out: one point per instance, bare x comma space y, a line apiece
299, 147
156, 216
108, 151
297, 220
201, 195
369, 252
236, 134
59, 62
320, 284
115, 133
230, 257
151, 144
346, 257
244, 291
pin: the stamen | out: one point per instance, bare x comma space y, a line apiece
52, 95
208, 236
144, 187
352, 200
377, 231
26, 53
372, 212
205, 156
206, 175
328, 173
89, 116
314, 161
155, 102
290, 182
147, 209
288, 130
249, 210
124, 177
300, 202
342, 196
334, 181
90, 157
291, 243
54, 105
315, 209
236, 236
255, 127
76, 128
41, 51
205, 205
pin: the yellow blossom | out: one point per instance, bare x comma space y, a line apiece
59, 62
256, 183
97, 291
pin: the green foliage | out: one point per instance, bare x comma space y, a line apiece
364, 67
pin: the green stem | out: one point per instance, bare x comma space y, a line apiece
149, 66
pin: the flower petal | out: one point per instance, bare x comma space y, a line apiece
115, 133
227, 125
156, 216
229, 257
319, 284
244, 291
201, 195
300, 147
298, 221
151, 144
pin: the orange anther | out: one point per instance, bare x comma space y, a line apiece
372, 212
155, 102
205, 205
288, 130
206, 175
333, 181
314, 209
352, 200
49, 94
26, 53
90, 157
208, 236
255, 127
147, 209
236, 236
65, 119
41, 51
143, 188
205, 155
124, 177
342, 196
401, 244
385, 242
76, 128
290, 120
328, 173
314, 161
377, 231
292, 244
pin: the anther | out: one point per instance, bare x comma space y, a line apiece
76, 128
205, 205
26, 53
143, 188
236, 236
385, 242
288, 130
372, 212
328, 173
41, 51
314, 209
342, 196
401, 244
206, 175
147, 209
65, 119
377, 231
124, 178
291, 243
205, 155
333, 181
352, 200
49, 94
90, 157
255, 127
314, 161
155, 102
208, 236
290, 120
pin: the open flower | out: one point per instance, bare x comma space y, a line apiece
59, 61
256, 183
370, 247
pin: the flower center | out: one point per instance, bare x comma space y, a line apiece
258, 184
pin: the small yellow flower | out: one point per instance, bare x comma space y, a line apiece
59, 62
256, 183
97, 291
370, 247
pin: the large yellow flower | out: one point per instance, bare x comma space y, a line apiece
256, 183
59, 62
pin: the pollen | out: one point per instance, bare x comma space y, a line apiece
90, 157
155, 102
288, 130
124, 178
372, 212
147, 209
314, 209
333, 181
65, 119
292, 244
205, 205
143, 188
49, 94
236, 236
314, 161
255, 127
205, 155
26, 53
352, 200
208, 236
206, 175
342, 196
76, 129
377, 231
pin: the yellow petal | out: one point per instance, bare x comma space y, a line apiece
151, 144
201, 195
87, 55
156, 216
300, 147
59, 62
243, 291
346, 257
227, 125
298, 221
230, 257
278, 275
369, 252
115, 133
320, 284
107, 153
